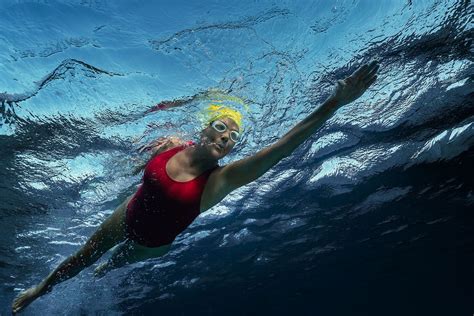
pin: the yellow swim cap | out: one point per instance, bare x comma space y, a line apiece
215, 112
221, 105
220, 96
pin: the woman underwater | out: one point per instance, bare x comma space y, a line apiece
182, 180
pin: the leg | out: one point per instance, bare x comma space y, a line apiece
130, 252
109, 233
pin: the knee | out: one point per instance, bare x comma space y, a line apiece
83, 259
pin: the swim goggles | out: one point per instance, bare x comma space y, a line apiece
221, 127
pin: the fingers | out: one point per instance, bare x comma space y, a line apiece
359, 72
371, 74
367, 70
373, 64
373, 68
370, 82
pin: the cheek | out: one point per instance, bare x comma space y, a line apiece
206, 135
210, 134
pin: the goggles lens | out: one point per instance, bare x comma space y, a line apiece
221, 128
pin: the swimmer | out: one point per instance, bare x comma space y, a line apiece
182, 180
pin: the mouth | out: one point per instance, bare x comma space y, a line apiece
219, 146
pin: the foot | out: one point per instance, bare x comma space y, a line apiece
25, 298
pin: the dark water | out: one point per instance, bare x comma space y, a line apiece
373, 215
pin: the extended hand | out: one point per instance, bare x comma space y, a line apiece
355, 85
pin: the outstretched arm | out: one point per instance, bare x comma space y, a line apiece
248, 169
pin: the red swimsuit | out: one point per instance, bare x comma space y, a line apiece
162, 207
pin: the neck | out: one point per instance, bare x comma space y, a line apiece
199, 159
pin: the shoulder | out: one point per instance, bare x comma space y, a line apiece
175, 141
164, 144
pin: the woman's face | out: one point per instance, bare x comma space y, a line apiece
217, 143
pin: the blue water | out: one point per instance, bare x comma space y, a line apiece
373, 215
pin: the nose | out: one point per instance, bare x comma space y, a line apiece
225, 137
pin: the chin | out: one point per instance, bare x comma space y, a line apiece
216, 153
220, 154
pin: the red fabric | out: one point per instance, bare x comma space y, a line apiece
162, 208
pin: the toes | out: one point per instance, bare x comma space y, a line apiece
23, 299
